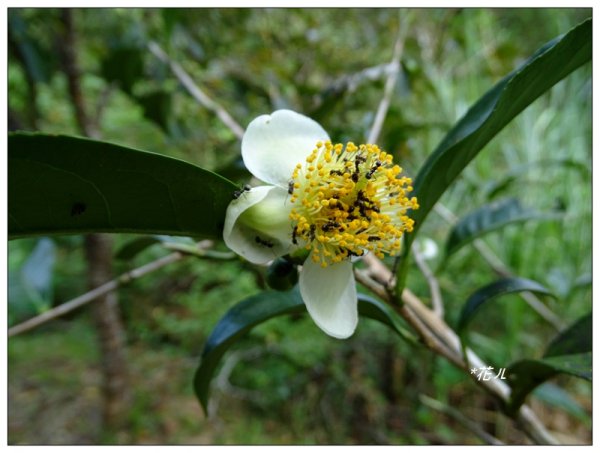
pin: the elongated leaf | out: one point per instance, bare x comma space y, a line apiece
260, 308
490, 292
489, 115
574, 340
65, 185
526, 375
570, 352
488, 218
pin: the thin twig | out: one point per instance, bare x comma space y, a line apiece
101, 290
460, 418
390, 83
196, 92
350, 82
92, 295
434, 330
434, 286
501, 269
194, 250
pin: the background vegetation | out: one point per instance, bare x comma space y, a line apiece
287, 382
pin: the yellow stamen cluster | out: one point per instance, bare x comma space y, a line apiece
349, 199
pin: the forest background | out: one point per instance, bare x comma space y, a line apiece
287, 382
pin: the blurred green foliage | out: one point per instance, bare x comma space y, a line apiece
287, 382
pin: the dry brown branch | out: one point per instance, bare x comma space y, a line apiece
435, 332
101, 290
196, 92
434, 286
390, 83
460, 418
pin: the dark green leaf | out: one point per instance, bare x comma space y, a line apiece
488, 218
489, 115
124, 65
67, 185
570, 352
574, 340
492, 291
282, 274
157, 107
260, 308
525, 375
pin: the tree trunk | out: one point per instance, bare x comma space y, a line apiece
105, 311
98, 249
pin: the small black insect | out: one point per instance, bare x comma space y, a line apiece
263, 242
313, 227
294, 235
331, 225
336, 172
351, 253
373, 238
373, 169
291, 186
359, 159
78, 208
238, 193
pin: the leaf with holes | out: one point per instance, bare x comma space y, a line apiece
67, 185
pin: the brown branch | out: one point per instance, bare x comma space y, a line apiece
101, 290
71, 69
434, 287
199, 95
92, 295
390, 83
434, 331
460, 418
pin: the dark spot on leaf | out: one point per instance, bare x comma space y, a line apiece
78, 208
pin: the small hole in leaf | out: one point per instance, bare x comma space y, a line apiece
78, 208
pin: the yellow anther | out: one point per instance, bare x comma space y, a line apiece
364, 188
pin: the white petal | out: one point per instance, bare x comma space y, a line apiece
330, 297
274, 144
259, 217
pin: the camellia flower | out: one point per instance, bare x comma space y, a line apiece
335, 201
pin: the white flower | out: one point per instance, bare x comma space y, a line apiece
335, 201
